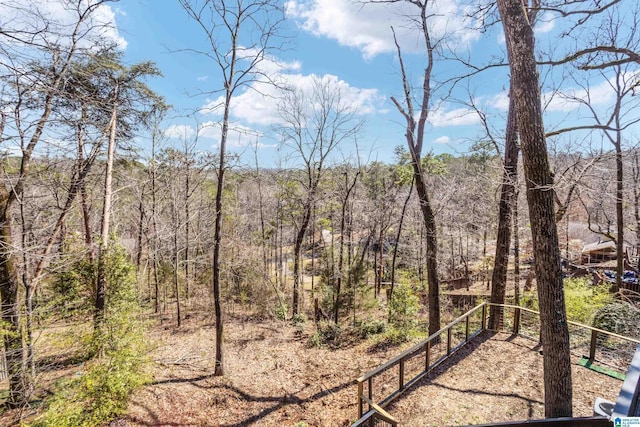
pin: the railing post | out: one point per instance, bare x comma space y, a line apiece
360, 391
427, 355
516, 321
448, 341
466, 329
401, 374
592, 348
370, 391
484, 317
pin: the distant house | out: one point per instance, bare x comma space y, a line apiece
598, 252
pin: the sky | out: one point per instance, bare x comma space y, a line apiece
349, 46
338, 40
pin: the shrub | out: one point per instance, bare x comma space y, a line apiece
620, 318
299, 319
395, 336
366, 328
582, 300
100, 392
327, 332
282, 311
403, 307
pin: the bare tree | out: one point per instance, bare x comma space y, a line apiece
618, 118
554, 334
130, 97
314, 124
507, 204
415, 140
240, 36
349, 185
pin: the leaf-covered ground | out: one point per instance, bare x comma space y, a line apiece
274, 378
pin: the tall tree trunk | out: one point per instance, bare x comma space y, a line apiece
516, 248
263, 228
554, 333
10, 304
619, 212
313, 252
176, 282
336, 304
101, 281
297, 253
503, 243
431, 252
86, 217
139, 239
398, 235
415, 138
217, 236
187, 234
154, 225
29, 366
343, 215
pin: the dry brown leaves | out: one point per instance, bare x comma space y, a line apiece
273, 378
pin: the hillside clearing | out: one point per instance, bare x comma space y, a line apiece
273, 378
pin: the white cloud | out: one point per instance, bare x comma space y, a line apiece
238, 135
260, 107
546, 22
257, 104
180, 132
368, 27
499, 101
568, 99
59, 17
572, 98
441, 117
202, 78
442, 140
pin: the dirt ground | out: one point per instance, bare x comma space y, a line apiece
273, 378
496, 378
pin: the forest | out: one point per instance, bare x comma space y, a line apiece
117, 230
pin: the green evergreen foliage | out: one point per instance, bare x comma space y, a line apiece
369, 327
327, 333
618, 317
100, 391
282, 311
403, 307
584, 300
73, 288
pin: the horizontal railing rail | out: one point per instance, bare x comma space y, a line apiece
435, 349
596, 344
422, 353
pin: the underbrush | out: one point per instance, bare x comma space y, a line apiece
620, 318
582, 300
115, 358
402, 325
329, 334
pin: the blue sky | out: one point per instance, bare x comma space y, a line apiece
332, 38
351, 46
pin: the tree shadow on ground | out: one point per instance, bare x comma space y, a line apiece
530, 402
278, 402
461, 354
